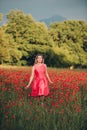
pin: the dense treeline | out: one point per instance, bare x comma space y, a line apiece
62, 44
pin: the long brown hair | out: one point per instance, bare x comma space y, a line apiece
37, 58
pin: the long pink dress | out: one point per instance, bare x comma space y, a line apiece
40, 83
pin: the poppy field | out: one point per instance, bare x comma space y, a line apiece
65, 108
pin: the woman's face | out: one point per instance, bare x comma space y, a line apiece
39, 59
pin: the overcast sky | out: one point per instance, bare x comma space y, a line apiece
39, 9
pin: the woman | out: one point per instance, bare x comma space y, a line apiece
39, 77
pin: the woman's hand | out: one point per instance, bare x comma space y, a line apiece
27, 87
51, 82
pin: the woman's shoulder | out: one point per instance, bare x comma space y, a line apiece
34, 66
44, 64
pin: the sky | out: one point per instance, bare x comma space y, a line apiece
40, 9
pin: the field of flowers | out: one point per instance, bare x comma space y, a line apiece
64, 109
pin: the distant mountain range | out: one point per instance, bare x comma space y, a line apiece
48, 21
54, 18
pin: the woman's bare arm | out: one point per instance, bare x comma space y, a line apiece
47, 75
31, 78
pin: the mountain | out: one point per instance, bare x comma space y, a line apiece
54, 18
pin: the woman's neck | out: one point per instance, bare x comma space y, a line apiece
39, 63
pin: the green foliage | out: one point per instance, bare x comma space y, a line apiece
85, 44
23, 37
68, 38
8, 49
26, 30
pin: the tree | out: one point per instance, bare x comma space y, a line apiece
8, 49
62, 44
68, 39
26, 30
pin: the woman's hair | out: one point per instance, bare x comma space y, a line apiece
37, 58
